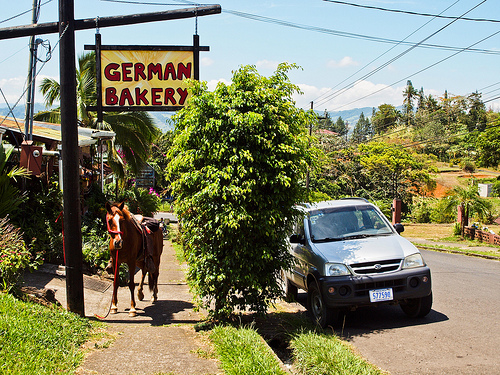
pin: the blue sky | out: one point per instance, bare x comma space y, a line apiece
309, 33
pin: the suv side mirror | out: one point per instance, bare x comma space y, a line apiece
399, 228
297, 238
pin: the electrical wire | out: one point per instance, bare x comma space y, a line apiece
318, 29
347, 87
411, 13
334, 95
418, 72
23, 13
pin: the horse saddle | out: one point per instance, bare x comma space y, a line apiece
147, 226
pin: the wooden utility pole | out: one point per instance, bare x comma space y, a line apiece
69, 129
70, 157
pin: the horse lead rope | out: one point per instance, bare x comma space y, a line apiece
115, 276
114, 288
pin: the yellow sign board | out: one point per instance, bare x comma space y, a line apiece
145, 78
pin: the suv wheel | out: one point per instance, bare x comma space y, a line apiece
320, 313
417, 307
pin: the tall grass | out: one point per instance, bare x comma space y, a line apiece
319, 354
35, 339
242, 351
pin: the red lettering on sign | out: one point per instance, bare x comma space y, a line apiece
110, 72
183, 70
141, 96
156, 96
169, 96
139, 71
183, 93
154, 69
110, 97
126, 70
169, 71
126, 96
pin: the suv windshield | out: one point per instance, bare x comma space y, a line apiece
335, 224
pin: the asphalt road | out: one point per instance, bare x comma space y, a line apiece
461, 335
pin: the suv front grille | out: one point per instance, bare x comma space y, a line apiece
362, 289
376, 267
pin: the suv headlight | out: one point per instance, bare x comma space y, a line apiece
336, 269
413, 261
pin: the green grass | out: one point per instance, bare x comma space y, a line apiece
242, 351
35, 339
318, 354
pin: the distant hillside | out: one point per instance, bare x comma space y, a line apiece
161, 118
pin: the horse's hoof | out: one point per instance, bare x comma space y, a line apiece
154, 299
140, 295
132, 313
114, 310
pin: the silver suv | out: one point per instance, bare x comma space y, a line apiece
348, 255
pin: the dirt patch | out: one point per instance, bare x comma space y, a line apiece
46, 297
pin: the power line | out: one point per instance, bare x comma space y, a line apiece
23, 13
397, 57
343, 34
418, 72
347, 87
411, 13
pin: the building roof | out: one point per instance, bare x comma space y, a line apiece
45, 131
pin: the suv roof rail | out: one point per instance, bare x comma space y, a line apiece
358, 198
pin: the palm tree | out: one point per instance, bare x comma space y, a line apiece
469, 201
135, 131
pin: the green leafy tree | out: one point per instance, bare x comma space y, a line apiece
396, 171
488, 145
469, 200
238, 162
362, 131
341, 127
135, 131
384, 118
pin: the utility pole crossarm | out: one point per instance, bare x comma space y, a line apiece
90, 23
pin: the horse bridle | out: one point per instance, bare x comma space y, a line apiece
112, 231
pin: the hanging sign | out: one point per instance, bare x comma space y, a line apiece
144, 78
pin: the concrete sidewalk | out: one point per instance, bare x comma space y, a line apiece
160, 339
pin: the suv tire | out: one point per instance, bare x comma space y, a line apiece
291, 291
417, 307
320, 313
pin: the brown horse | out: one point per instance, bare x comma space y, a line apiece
127, 241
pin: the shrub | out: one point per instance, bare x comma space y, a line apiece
37, 220
468, 165
14, 257
141, 201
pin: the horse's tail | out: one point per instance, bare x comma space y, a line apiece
152, 279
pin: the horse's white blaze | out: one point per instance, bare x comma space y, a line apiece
116, 220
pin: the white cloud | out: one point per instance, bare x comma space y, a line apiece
363, 94
343, 63
266, 64
13, 89
206, 61
213, 83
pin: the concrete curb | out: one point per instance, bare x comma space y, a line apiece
465, 252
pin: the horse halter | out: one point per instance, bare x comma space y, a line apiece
112, 231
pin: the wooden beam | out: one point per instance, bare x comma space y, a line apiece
90, 23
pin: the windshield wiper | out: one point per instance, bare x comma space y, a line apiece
356, 236
328, 239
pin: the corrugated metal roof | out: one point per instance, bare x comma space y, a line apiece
52, 132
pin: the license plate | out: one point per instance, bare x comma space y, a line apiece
380, 295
